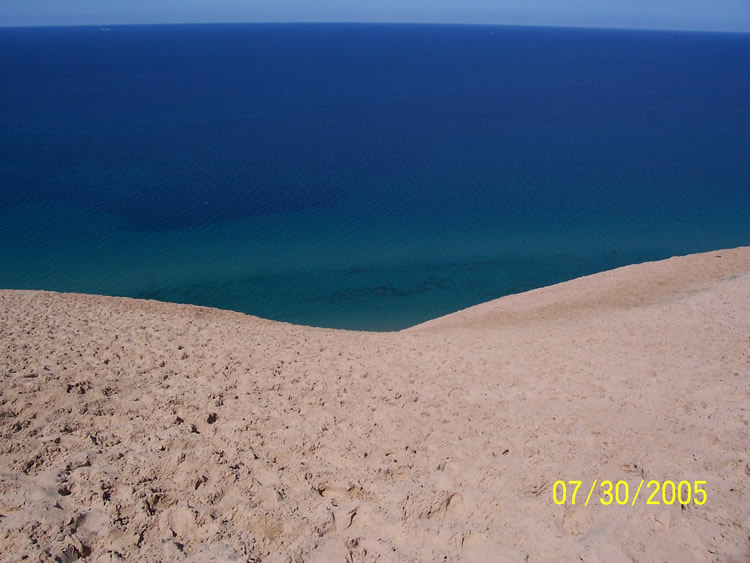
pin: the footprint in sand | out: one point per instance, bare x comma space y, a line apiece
452, 507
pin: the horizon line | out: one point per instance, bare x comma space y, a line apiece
384, 23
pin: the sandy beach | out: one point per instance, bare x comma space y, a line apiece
147, 431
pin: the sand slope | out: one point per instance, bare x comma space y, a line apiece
148, 431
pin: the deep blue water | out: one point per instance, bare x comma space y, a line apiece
363, 176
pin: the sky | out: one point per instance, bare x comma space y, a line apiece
702, 15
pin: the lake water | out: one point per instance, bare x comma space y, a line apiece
363, 176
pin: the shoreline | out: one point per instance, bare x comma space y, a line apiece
627, 286
652, 279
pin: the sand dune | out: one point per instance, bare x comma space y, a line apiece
142, 430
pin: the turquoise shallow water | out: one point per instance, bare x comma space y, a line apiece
367, 177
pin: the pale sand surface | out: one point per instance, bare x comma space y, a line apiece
152, 431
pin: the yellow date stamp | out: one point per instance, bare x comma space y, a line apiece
619, 492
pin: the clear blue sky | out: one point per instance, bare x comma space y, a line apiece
715, 15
